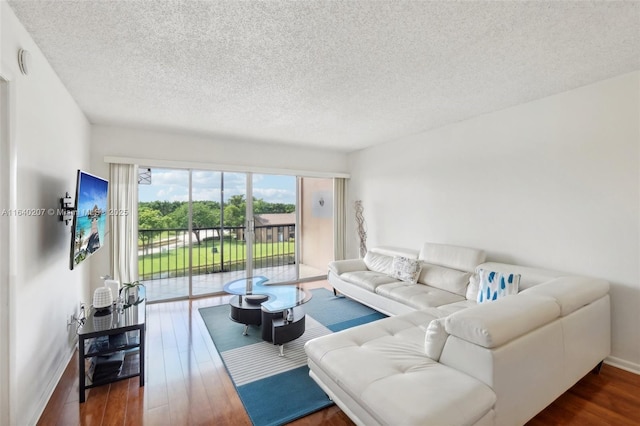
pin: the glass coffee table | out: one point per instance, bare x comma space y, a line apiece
276, 308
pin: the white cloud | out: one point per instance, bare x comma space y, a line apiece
275, 195
173, 185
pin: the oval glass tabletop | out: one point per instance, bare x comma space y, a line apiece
280, 297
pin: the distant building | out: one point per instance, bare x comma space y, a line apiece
274, 227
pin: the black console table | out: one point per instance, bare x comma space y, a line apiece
111, 346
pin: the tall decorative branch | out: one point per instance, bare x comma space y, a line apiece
361, 228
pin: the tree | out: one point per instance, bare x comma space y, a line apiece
159, 215
164, 207
204, 216
152, 222
260, 206
234, 211
234, 215
236, 200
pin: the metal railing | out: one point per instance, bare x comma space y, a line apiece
164, 253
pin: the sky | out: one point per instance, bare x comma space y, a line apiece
92, 192
173, 185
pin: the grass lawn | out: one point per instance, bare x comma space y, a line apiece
176, 260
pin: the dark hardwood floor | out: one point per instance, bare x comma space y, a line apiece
187, 384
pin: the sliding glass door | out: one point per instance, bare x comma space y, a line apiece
200, 229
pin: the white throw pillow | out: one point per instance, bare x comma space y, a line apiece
435, 338
472, 288
495, 285
406, 269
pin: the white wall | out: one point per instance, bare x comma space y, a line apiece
51, 139
552, 183
196, 150
191, 148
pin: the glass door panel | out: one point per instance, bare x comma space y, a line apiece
234, 252
205, 223
274, 219
163, 236
218, 203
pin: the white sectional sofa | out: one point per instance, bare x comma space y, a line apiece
443, 359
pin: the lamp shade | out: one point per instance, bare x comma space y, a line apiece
102, 298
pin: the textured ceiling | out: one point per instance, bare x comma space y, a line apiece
336, 74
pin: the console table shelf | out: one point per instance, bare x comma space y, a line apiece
130, 368
111, 344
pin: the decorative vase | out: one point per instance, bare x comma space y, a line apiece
361, 228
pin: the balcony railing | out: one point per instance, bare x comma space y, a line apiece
164, 253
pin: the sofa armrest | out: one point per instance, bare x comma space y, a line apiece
572, 292
493, 324
339, 267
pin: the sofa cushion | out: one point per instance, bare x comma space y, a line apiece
379, 262
369, 280
454, 257
493, 324
405, 269
435, 338
571, 293
376, 360
448, 279
417, 296
428, 394
496, 285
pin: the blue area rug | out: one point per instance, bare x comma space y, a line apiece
274, 389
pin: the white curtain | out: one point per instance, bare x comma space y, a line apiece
123, 202
340, 218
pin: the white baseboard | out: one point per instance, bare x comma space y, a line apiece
623, 364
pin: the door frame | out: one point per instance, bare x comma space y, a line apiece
8, 248
250, 225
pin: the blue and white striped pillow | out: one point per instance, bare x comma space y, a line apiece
495, 285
